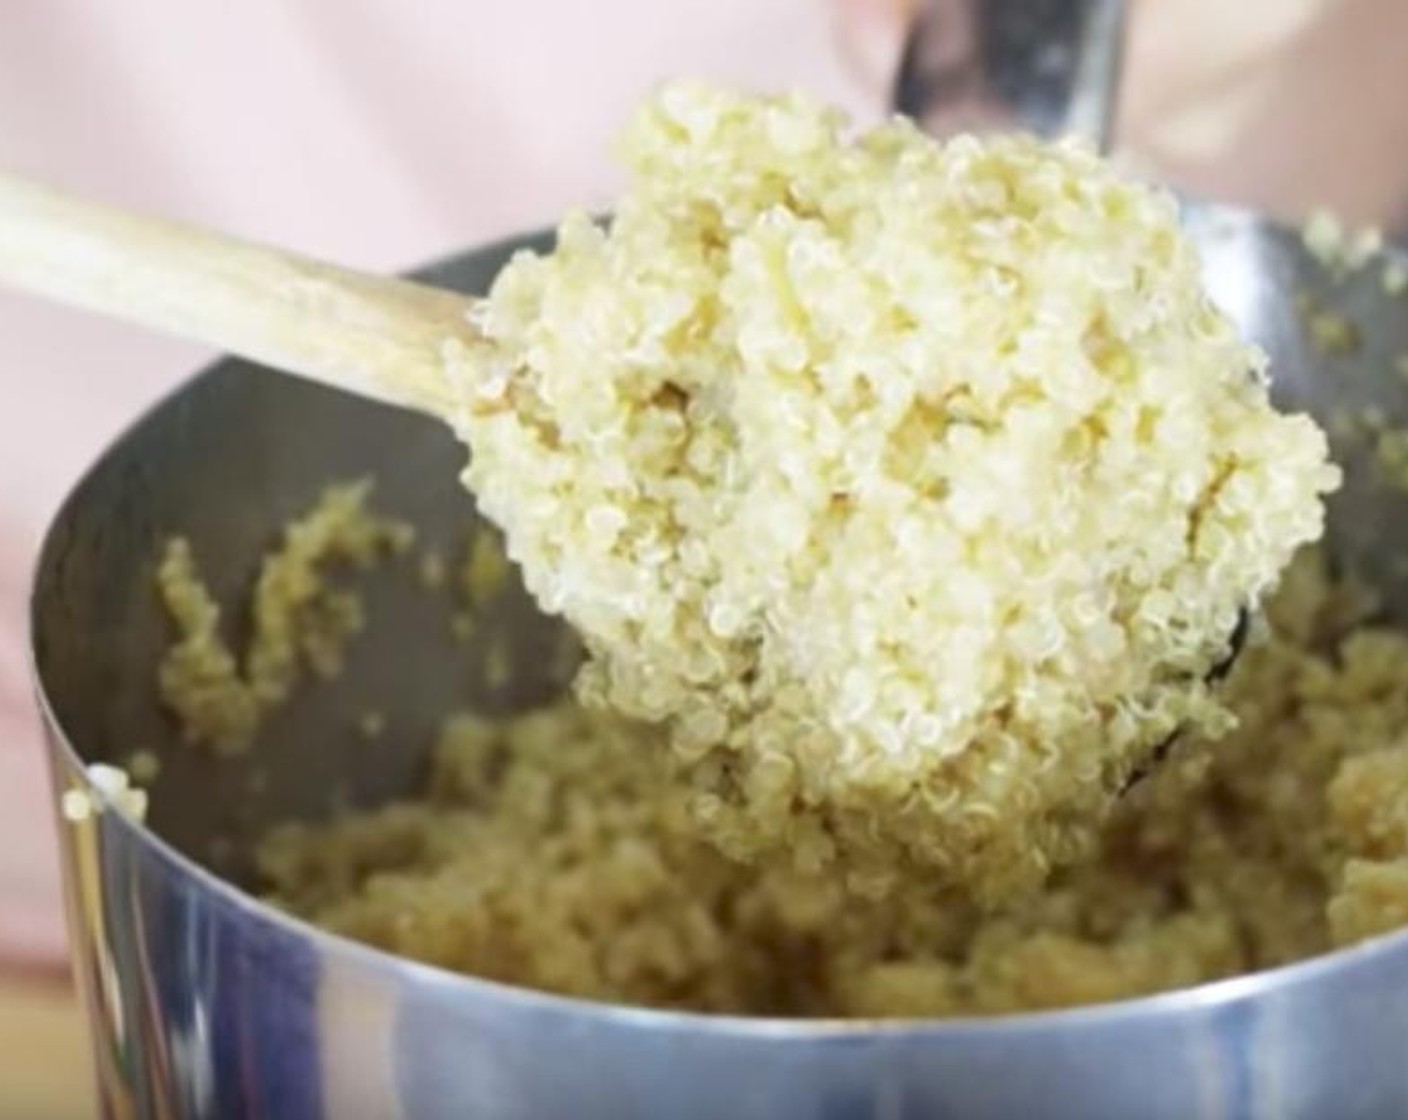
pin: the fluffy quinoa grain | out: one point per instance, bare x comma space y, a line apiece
112, 787
143, 766
300, 621
556, 851
1341, 251
199, 679
432, 571
915, 487
483, 577
1331, 333
486, 569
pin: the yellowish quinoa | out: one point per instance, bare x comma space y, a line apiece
486, 569
113, 788
1332, 333
432, 571
300, 620
1387, 442
556, 851
914, 488
143, 766
1343, 252
1394, 278
483, 577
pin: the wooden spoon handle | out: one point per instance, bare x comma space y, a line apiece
372, 335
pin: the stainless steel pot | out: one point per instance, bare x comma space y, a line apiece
207, 1003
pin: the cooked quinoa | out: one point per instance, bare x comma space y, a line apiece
112, 787
1332, 333
143, 766
300, 619
483, 577
432, 570
1339, 250
556, 851
1394, 278
915, 489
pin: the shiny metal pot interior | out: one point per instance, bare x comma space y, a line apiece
206, 1003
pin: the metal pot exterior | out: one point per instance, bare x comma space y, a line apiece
207, 1003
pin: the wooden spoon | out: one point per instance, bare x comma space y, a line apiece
376, 336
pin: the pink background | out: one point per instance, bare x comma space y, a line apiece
379, 134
